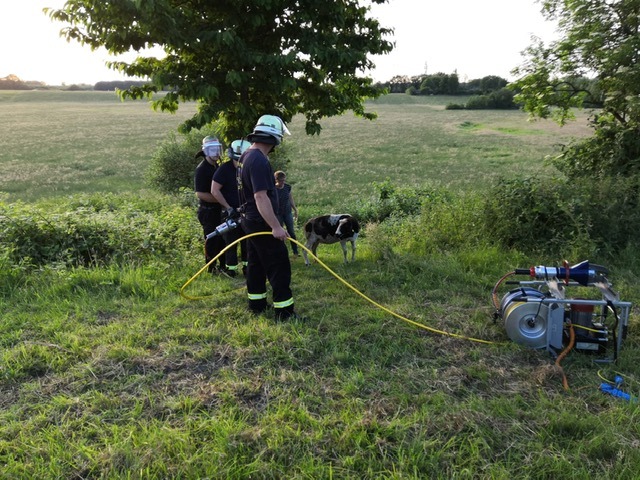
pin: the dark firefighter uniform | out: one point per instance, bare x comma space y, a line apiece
209, 213
268, 257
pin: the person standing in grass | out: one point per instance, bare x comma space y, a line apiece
225, 189
268, 257
209, 212
287, 211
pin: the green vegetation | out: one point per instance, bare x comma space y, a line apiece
594, 62
239, 60
106, 372
443, 84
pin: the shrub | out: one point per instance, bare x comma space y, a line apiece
546, 217
612, 151
532, 214
444, 223
390, 201
95, 231
611, 206
500, 100
173, 163
560, 217
478, 102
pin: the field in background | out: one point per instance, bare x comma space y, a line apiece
56, 143
59, 143
414, 141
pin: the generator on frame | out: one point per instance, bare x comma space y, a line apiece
539, 313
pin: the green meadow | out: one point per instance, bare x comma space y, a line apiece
57, 143
107, 371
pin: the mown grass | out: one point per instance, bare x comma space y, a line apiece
416, 141
84, 142
60, 143
106, 372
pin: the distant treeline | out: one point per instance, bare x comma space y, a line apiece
118, 84
12, 82
443, 84
489, 92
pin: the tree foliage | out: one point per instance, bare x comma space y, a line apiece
491, 83
238, 59
401, 83
440, 84
443, 84
595, 62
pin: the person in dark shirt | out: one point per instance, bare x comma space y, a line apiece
225, 189
267, 254
209, 213
287, 212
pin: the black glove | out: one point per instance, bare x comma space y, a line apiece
232, 213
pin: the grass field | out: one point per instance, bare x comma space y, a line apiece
107, 372
416, 141
58, 143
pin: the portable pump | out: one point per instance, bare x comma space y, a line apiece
538, 314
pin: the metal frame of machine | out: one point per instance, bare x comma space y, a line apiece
537, 314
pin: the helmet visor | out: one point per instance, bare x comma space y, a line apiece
212, 149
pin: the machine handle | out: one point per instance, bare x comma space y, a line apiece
523, 271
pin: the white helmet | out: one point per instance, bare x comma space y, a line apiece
267, 129
237, 148
211, 146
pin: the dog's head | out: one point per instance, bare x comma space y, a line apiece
345, 228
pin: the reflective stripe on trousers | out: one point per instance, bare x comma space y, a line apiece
286, 303
268, 259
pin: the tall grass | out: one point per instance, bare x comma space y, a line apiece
106, 372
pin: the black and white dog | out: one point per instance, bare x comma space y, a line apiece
328, 229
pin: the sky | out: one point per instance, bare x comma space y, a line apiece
474, 38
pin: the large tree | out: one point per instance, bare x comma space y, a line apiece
594, 62
239, 59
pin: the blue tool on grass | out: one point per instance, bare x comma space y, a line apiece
615, 391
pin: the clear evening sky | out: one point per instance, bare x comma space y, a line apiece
475, 38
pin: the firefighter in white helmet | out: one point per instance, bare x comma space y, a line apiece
268, 257
209, 213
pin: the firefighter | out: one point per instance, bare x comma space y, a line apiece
267, 254
209, 212
225, 189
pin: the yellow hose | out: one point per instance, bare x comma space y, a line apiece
419, 325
